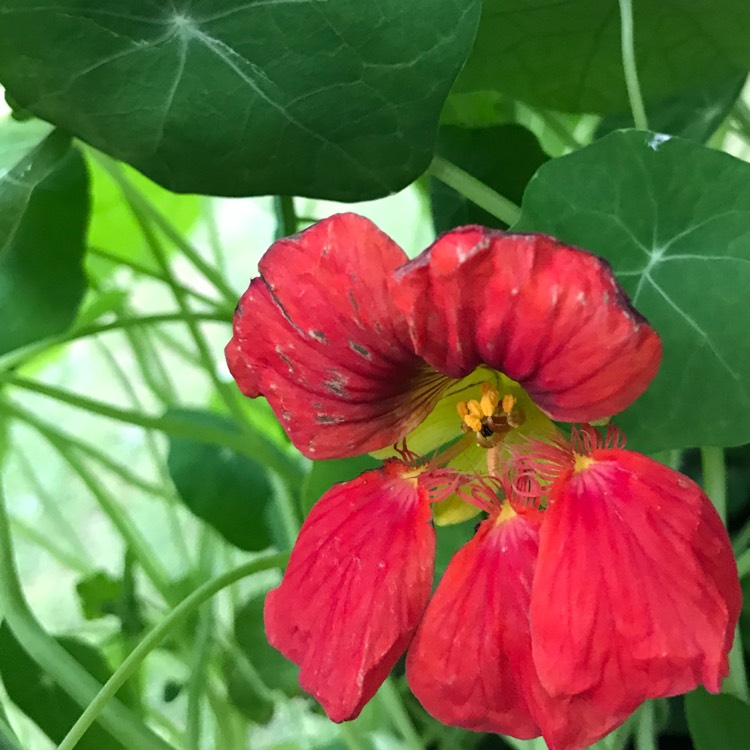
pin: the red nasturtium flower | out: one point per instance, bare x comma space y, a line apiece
599, 578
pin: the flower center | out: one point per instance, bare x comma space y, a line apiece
491, 417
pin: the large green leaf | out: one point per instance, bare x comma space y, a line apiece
42, 700
566, 55
229, 491
328, 99
504, 157
717, 722
44, 207
673, 218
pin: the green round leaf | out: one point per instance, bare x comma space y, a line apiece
326, 99
672, 217
44, 206
717, 722
229, 491
566, 55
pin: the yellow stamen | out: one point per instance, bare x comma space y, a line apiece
581, 463
474, 422
462, 409
508, 403
474, 408
489, 402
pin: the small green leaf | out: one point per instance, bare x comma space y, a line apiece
246, 699
229, 491
44, 207
46, 704
504, 157
694, 114
717, 722
567, 55
99, 595
274, 670
332, 100
672, 218
324, 474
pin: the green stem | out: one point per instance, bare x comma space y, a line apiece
743, 563
201, 651
212, 230
645, 731
157, 634
475, 190
130, 536
151, 273
23, 354
225, 390
131, 194
43, 541
61, 667
629, 67
51, 433
254, 446
51, 506
715, 485
394, 707
286, 216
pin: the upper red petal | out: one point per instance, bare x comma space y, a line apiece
549, 316
355, 588
636, 593
318, 336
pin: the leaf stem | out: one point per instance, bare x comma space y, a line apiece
475, 190
114, 169
157, 634
150, 273
645, 730
54, 659
23, 354
629, 66
286, 216
394, 707
261, 450
715, 485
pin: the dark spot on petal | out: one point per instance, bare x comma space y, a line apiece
354, 302
335, 383
238, 311
325, 419
359, 349
318, 336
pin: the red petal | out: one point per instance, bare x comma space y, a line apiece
355, 588
317, 335
635, 594
471, 657
549, 316
470, 664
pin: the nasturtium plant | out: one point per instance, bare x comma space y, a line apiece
374, 375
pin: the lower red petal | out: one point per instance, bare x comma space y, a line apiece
355, 588
470, 661
636, 593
